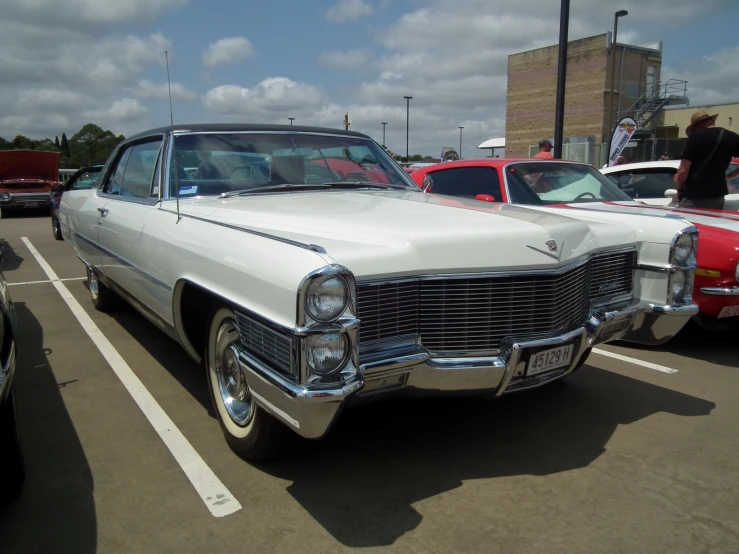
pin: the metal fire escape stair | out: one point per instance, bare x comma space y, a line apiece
651, 103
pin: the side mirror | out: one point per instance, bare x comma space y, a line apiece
57, 189
670, 193
485, 198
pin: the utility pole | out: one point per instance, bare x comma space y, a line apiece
460, 142
346, 121
559, 113
620, 13
291, 120
383, 134
407, 126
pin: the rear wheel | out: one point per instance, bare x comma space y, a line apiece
56, 228
249, 430
104, 299
12, 467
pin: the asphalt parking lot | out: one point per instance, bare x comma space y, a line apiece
625, 457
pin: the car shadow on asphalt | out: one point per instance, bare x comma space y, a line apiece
55, 511
360, 482
697, 342
11, 260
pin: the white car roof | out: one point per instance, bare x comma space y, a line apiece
671, 164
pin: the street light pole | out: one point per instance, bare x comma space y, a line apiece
407, 125
460, 142
559, 113
291, 120
620, 13
383, 134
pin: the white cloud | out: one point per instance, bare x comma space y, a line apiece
351, 60
711, 79
349, 10
228, 51
273, 97
122, 110
147, 89
50, 100
76, 12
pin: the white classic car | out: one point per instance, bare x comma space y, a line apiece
307, 272
652, 182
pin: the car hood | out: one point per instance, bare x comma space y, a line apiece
21, 164
380, 234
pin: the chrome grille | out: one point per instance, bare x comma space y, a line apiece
266, 343
388, 310
475, 314
614, 273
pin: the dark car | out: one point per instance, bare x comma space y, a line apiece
11, 459
84, 178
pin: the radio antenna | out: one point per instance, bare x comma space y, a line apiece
169, 88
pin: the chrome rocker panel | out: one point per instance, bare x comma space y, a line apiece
311, 412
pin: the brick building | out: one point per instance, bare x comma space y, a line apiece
532, 86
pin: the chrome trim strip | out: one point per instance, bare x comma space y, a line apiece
721, 291
669, 268
266, 132
312, 247
133, 266
152, 201
668, 309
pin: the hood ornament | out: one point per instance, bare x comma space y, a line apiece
552, 250
552, 245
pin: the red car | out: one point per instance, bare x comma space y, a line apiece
575, 186
26, 178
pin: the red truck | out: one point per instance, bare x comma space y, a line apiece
26, 178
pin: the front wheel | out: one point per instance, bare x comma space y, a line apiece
56, 228
249, 430
12, 467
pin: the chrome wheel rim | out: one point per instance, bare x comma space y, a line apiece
93, 280
234, 391
55, 225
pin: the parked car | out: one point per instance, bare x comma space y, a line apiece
12, 470
82, 179
652, 182
303, 291
562, 185
26, 178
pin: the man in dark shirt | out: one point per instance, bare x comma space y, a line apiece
701, 178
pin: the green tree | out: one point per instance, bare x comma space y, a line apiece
56, 143
65, 146
23, 143
5, 145
416, 158
91, 145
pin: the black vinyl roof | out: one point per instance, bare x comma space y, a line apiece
236, 127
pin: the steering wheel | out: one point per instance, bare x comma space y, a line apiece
584, 194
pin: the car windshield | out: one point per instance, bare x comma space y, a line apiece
559, 183
205, 164
87, 179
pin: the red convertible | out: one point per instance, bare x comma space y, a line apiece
575, 186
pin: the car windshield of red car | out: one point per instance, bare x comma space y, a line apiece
559, 183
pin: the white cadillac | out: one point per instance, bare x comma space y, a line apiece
307, 272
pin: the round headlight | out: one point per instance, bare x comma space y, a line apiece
683, 248
678, 285
5, 196
327, 353
327, 298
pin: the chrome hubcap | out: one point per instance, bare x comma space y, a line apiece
234, 391
93, 280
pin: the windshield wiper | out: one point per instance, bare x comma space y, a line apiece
286, 186
367, 185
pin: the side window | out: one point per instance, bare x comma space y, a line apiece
646, 183
139, 173
113, 182
466, 182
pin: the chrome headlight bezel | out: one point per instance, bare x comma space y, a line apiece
313, 295
684, 246
311, 345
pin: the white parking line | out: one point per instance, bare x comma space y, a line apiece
650, 365
212, 491
47, 281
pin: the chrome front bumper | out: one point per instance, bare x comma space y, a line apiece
27, 200
310, 412
721, 291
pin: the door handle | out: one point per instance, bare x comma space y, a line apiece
103, 212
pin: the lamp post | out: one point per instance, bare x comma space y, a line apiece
460, 142
407, 126
620, 13
291, 120
559, 106
383, 133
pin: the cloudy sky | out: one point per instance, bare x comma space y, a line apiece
64, 63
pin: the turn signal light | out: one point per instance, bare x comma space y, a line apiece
707, 272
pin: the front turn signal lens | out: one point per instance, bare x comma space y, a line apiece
707, 273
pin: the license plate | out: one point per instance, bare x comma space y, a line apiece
729, 311
550, 359
31, 204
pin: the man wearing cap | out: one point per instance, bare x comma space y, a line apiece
701, 178
545, 150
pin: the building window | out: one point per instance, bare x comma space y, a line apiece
632, 90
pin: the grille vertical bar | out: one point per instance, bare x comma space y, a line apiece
614, 273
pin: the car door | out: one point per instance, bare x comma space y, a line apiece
646, 184
132, 194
